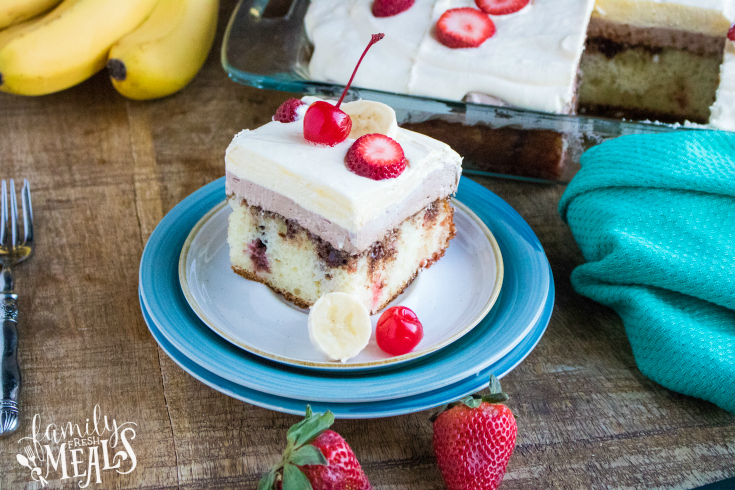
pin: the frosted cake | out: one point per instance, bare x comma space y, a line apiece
639, 59
305, 224
663, 60
655, 59
531, 60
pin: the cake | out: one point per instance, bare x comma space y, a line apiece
305, 224
531, 60
642, 59
654, 59
665, 60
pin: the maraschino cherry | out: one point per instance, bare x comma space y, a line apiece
326, 124
398, 331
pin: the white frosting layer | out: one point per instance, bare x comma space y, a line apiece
723, 110
276, 157
530, 62
711, 17
340, 30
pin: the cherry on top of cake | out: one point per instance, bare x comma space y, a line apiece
326, 124
375, 155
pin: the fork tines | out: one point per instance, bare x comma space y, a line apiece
9, 226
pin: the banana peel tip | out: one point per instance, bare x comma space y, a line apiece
117, 69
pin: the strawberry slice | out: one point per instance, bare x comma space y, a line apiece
290, 111
464, 28
501, 7
389, 8
731, 33
376, 156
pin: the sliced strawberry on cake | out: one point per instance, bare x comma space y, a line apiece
376, 156
389, 8
501, 7
464, 28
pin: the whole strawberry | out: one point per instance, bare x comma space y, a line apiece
316, 458
474, 439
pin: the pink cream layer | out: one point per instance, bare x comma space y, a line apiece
439, 184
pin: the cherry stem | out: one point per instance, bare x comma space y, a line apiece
373, 40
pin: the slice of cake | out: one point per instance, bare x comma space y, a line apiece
654, 59
306, 224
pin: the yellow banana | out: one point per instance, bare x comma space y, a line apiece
15, 11
67, 45
7, 35
166, 51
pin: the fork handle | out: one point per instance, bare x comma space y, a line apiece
9, 370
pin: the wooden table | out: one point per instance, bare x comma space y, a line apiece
105, 170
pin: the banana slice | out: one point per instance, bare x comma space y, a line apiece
370, 117
339, 326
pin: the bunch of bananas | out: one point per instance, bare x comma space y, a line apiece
152, 48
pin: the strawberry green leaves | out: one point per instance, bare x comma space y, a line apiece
308, 455
496, 395
294, 478
299, 452
268, 481
308, 429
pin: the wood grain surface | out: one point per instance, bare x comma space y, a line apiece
104, 171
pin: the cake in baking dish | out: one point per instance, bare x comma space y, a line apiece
665, 60
637, 59
531, 60
655, 59
305, 224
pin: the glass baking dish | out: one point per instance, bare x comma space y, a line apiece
265, 46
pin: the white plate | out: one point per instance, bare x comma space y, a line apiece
450, 297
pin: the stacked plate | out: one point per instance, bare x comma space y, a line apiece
484, 307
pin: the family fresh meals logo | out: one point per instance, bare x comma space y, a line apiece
81, 452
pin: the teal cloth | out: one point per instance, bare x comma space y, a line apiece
654, 216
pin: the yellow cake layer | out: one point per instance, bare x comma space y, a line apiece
666, 84
267, 248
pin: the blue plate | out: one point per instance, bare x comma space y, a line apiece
527, 290
386, 408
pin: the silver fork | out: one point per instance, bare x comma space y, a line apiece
13, 250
